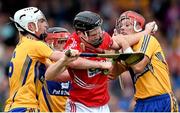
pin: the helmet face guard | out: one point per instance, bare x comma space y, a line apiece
135, 19
57, 36
94, 36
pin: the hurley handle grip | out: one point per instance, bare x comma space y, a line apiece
88, 55
68, 53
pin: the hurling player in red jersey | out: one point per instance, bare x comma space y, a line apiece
89, 89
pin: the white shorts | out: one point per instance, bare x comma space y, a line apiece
78, 107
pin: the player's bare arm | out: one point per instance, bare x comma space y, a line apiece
132, 38
60, 66
139, 67
82, 63
62, 77
56, 55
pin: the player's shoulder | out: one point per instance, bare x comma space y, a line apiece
106, 37
107, 41
38, 43
73, 42
74, 37
149, 37
32, 41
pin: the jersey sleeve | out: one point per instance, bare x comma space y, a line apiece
148, 46
107, 41
72, 43
41, 50
68, 44
46, 60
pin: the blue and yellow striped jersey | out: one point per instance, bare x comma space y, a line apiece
154, 80
54, 96
24, 79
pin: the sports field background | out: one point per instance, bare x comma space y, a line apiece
61, 13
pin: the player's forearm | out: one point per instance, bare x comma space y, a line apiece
63, 76
115, 45
82, 63
56, 68
119, 42
56, 55
134, 38
139, 67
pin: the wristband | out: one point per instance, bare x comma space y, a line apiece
128, 50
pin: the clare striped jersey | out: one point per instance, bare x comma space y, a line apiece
24, 76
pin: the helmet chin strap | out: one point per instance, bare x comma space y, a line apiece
41, 37
135, 29
92, 47
95, 44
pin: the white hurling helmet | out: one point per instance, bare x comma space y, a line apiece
26, 15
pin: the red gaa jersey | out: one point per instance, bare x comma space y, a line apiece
89, 86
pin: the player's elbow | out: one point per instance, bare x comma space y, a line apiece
48, 75
63, 77
138, 69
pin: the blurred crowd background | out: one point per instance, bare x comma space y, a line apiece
61, 13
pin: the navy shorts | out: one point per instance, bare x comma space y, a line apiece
23, 109
161, 103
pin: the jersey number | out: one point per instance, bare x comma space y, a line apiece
11, 68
